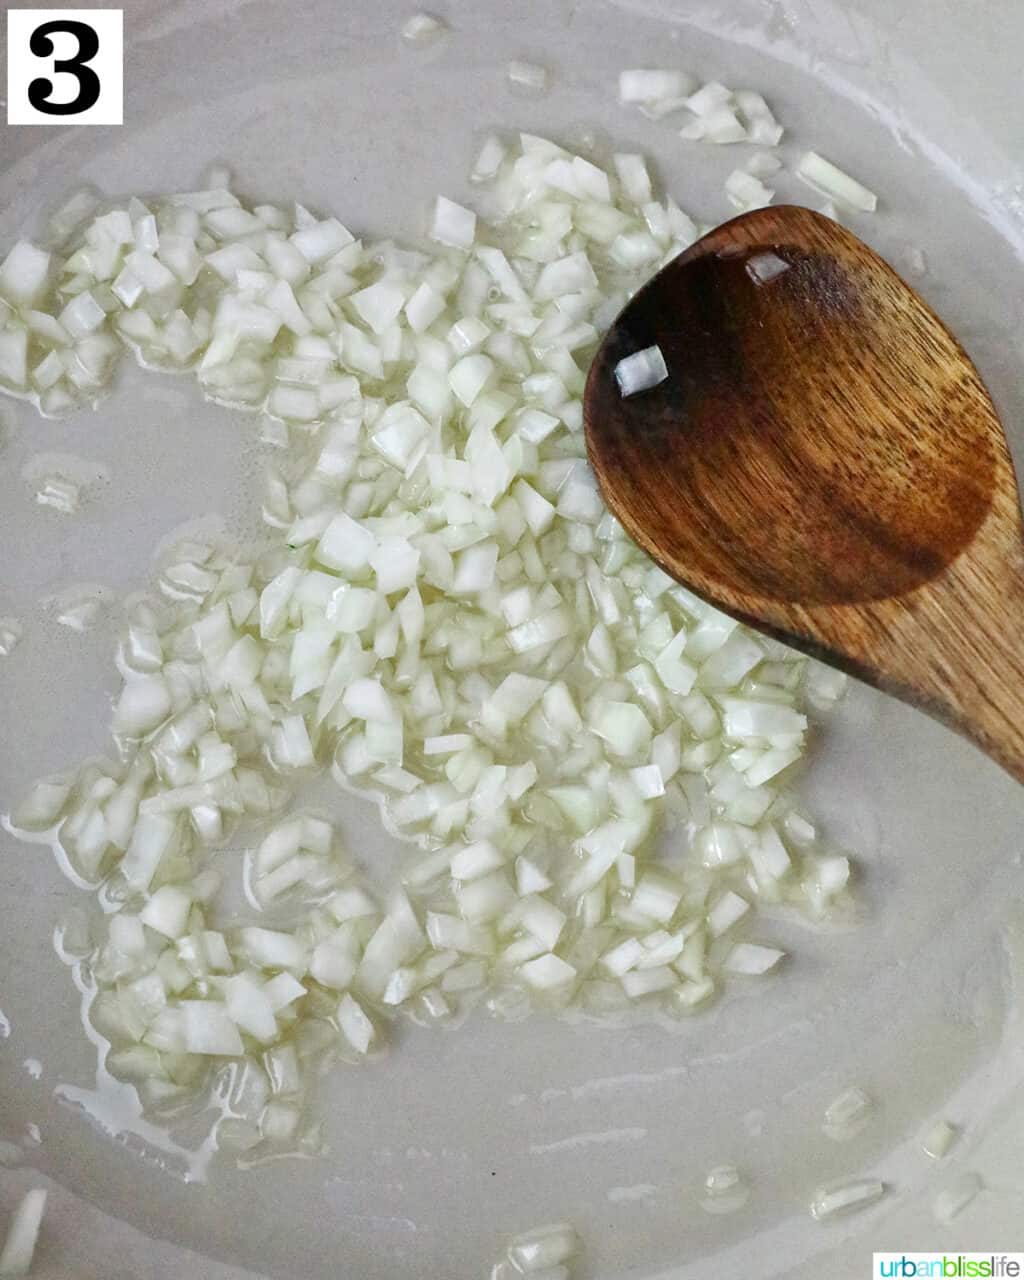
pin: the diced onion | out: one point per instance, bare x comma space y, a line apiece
355, 1025
641, 371
23, 273
22, 1234
847, 1114
765, 267
749, 958
938, 1139
543, 1248
747, 192
422, 28
824, 176
547, 971
652, 86
453, 224
208, 1029
442, 609
527, 75
763, 164
846, 1197
10, 634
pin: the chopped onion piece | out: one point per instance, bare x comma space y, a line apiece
825, 685
639, 983
423, 308
846, 1197
623, 726
761, 124
282, 990
762, 164
747, 192
648, 781
355, 1025
470, 376
846, 1115
422, 28
476, 860
80, 615
489, 159
167, 911
722, 1179
543, 1248
446, 744
833, 183
249, 1007
750, 958
656, 897
24, 273
379, 304
632, 173
320, 240
453, 224
272, 949
651, 86
938, 1139
765, 267
729, 908
640, 371
723, 126
145, 703
209, 1030
10, 633
42, 806
527, 75
22, 1234
547, 972
543, 920
709, 98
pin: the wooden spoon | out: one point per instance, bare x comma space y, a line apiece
825, 463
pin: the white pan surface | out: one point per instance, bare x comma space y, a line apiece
463, 1136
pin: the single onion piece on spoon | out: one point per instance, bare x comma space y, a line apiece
640, 371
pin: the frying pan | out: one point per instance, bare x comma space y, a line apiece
461, 1137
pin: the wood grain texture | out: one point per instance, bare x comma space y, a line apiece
825, 463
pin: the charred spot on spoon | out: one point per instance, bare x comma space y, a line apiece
809, 277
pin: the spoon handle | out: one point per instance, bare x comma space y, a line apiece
979, 626
955, 647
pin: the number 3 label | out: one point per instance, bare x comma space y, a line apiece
65, 66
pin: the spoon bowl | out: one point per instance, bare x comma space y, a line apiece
824, 462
